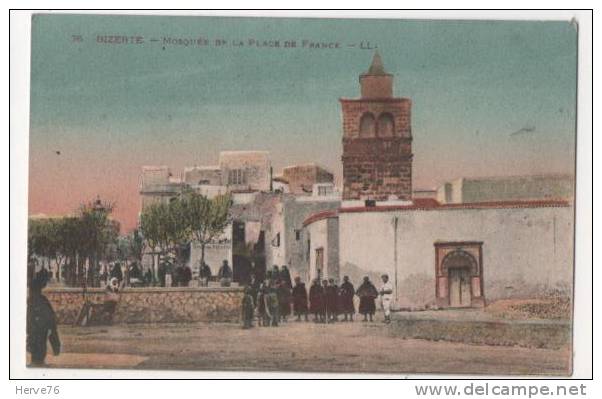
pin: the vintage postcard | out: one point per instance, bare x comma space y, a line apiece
301, 194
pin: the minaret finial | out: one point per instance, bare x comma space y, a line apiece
377, 67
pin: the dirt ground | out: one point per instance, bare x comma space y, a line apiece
341, 347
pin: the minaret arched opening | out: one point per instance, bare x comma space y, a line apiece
386, 125
367, 125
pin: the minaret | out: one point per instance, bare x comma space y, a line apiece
377, 140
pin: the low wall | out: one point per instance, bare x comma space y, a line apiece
154, 305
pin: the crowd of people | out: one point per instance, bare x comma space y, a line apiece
276, 298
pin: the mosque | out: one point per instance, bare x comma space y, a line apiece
472, 241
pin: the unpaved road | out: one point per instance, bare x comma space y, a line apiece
342, 347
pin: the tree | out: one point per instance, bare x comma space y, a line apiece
153, 225
207, 217
98, 232
136, 245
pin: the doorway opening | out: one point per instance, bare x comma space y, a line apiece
459, 274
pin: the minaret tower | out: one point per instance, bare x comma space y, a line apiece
377, 140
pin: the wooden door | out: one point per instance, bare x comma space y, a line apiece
459, 287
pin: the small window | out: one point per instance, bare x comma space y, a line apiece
324, 190
297, 235
276, 240
237, 177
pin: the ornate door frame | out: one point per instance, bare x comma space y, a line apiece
468, 253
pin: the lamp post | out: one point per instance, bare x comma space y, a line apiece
395, 224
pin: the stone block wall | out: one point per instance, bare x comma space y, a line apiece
154, 305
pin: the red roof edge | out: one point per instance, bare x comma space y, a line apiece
431, 204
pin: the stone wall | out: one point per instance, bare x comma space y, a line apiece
154, 305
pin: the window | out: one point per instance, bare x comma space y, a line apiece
237, 177
319, 261
386, 125
324, 190
367, 125
297, 235
276, 240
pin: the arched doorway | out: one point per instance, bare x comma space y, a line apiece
459, 274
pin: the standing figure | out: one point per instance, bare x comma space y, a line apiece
346, 294
41, 324
135, 275
284, 300
148, 277
300, 299
272, 306
177, 276
248, 304
185, 276
386, 296
111, 299
260, 302
162, 273
204, 274
275, 276
225, 274
285, 276
332, 301
316, 301
368, 294
116, 272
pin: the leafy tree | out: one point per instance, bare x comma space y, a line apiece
207, 218
153, 225
98, 233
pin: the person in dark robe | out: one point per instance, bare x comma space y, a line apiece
284, 300
225, 274
186, 276
148, 277
368, 294
161, 273
43, 275
135, 271
275, 274
346, 293
253, 287
332, 301
285, 276
204, 274
272, 306
177, 276
316, 301
300, 299
116, 272
41, 324
248, 308
260, 303
135, 275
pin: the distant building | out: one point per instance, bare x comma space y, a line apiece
286, 236
301, 178
423, 193
267, 215
158, 185
505, 188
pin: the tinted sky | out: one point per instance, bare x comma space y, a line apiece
489, 98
